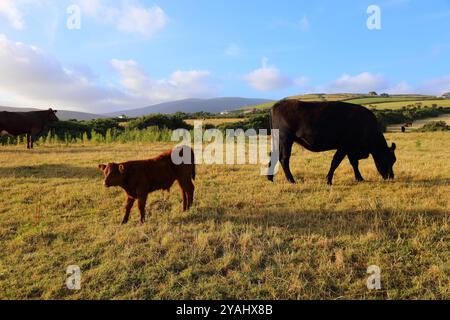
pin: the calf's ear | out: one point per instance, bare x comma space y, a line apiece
102, 167
121, 168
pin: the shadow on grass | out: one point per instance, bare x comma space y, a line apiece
425, 182
47, 171
327, 223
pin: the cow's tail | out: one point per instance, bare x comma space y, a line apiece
270, 120
271, 129
272, 162
193, 164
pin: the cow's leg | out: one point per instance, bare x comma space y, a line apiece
337, 159
185, 199
270, 174
128, 207
355, 164
142, 201
28, 141
286, 143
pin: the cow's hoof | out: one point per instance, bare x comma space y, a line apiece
330, 183
360, 179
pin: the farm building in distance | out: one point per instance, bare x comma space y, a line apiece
446, 95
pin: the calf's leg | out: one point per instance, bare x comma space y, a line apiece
128, 207
337, 159
190, 194
187, 190
142, 201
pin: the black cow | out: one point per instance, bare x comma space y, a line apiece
350, 129
29, 123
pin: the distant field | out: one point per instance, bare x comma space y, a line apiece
382, 100
325, 97
399, 105
245, 238
261, 106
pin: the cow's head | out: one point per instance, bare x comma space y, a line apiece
114, 174
385, 163
52, 115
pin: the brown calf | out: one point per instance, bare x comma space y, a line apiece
139, 178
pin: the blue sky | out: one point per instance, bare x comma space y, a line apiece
133, 53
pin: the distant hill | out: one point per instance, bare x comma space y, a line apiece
215, 105
62, 114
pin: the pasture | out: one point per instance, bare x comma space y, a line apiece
401, 104
245, 238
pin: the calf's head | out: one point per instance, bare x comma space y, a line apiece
385, 162
114, 174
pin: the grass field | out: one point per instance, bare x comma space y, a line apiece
402, 100
244, 237
400, 105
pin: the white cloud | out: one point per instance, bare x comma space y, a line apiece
436, 86
10, 9
31, 77
366, 81
304, 24
268, 78
401, 87
180, 84
130, 17
233, 50
301, 81
35, 78
362, 82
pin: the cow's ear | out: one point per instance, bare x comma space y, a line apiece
393, 147
102, 167
121, 168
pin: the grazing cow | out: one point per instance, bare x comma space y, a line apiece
29, 123
350, 129
139, 178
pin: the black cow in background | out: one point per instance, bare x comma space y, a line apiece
29, 123
350, 129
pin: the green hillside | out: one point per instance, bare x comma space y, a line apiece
392, 102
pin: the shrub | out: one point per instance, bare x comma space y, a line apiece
435, 126
161, 121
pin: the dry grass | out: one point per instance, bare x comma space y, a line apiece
244, 238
